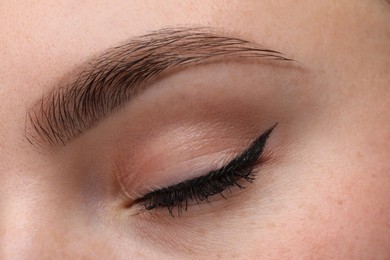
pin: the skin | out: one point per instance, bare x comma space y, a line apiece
322, 193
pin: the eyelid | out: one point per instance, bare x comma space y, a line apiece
193, 168
174, 174
241, 166
172, 155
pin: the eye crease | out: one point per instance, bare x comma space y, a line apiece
178, 197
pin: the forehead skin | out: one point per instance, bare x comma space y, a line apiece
346, 43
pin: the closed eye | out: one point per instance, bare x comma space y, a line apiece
178, 197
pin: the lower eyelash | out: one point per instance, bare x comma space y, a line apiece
216, 182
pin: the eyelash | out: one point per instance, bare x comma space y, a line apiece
215, 182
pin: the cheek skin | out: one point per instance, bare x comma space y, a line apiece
318, 224
343, 224
342, 214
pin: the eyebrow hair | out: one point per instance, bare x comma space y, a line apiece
122, 72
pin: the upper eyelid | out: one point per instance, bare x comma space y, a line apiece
249, 154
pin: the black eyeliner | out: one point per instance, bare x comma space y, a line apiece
215, 182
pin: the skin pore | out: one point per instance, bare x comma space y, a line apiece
321, 189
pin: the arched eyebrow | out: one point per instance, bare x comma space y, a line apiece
112, 79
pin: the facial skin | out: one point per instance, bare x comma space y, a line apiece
321, 188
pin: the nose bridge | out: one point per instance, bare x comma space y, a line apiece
43, 212
30, 221
22, 215
17, 229
42, 219
18, 218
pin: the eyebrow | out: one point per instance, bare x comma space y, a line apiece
114, 78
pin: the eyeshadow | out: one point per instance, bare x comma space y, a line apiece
215, 182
